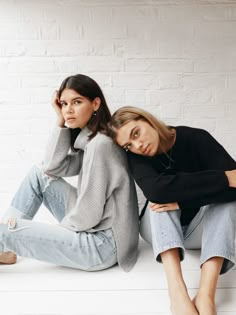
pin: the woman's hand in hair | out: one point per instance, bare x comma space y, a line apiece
57, 107
157, 207
231, 175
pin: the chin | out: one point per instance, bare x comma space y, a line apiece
152, 153
73, 126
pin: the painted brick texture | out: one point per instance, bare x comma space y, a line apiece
174, 58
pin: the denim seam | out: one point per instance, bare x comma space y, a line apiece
107, 258
23, 237
54, 196
29, 202
194, 228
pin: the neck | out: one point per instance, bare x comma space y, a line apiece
169, 145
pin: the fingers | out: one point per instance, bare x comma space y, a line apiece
55, 98
58, 109
158, 207
163, 207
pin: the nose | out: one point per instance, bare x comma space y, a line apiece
69, 108
138, 145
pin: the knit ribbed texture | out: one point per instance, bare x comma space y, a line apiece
106, 195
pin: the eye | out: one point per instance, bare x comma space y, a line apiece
136, 134
77, 102
62, 104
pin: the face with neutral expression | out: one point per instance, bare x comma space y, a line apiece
139, 137
76, 109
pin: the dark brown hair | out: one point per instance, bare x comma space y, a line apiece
88, 88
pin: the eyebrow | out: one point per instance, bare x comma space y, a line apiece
73, 99
131, 132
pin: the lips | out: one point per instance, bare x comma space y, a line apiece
146, 149
70, 119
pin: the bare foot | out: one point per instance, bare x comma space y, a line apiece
181, 303
8, 258
204, 304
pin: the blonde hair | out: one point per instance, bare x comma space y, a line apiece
129, 113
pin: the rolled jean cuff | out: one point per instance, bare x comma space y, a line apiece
228, 264
158, 251
12, 212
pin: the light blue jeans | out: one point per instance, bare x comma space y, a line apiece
48, 242
212, 230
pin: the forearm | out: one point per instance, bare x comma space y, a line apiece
182, 186
57, 160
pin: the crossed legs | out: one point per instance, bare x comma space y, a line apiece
181, 303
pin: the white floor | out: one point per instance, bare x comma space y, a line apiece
34, 288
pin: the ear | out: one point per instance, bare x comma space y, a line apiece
96, 103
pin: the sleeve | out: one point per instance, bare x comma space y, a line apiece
211, 153
163, 188
220, 159
184, 187
227, 195
97, 183
57, 159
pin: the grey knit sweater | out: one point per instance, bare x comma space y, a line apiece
106, 195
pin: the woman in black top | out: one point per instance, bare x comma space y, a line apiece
189, 180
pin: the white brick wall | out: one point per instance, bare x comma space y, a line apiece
174, 58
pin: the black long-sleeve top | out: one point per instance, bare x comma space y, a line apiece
192, 173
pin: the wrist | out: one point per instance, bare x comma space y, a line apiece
228, 177
231, 176
61, 123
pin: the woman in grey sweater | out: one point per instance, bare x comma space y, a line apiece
98, 220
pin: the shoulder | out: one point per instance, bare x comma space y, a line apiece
191, 132
101, 142
105, 147
101, 139
138, 159
196, 137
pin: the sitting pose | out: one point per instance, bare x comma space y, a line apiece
189, 180
98, 220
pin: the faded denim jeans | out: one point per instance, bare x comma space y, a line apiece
47, 242
212, 230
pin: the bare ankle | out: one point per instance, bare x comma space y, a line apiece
205, 292
205, 303
181, 304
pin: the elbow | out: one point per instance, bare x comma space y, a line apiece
158, 196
